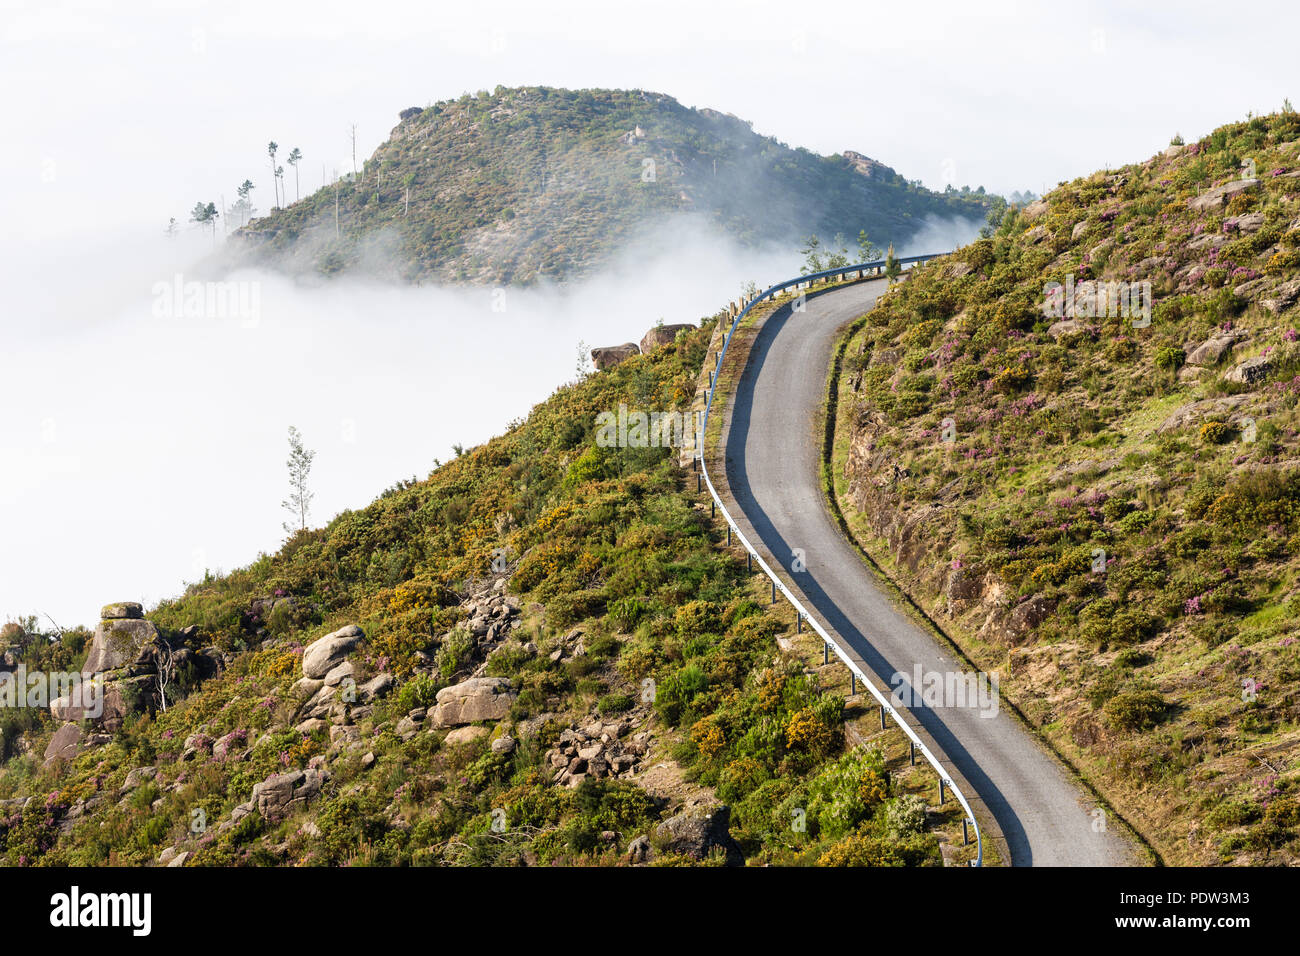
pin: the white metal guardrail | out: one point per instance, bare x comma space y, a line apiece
862, 269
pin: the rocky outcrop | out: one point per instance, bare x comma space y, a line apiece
119, 640
608, 356
699, 831
865, 165
121, 673
479, 698
326, 653
662, 335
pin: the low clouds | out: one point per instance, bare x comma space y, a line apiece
144, 439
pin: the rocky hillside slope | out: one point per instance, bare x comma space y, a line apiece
539, 182
1104, 504
544, 653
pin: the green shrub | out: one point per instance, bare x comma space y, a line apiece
1136, 711
613, 704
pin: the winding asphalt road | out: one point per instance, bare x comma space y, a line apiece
773, 442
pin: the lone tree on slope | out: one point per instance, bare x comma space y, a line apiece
298, 503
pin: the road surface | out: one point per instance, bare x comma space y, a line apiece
773, 444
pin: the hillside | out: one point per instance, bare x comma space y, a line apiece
539, 182
1104, 506
545, 653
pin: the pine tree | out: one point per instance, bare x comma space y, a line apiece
271, 148
295, 157
298, 503
892, 267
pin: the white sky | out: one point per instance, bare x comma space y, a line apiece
120, 115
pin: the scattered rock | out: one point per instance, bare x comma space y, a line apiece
1251, 371
279, 794
1034, 210
1024, 617
344, 734
1191, 413
1282, 298
466, 735
502, 745
596, 750
1058, 330
1250, 222
1212, 350
662, 335
1220, 195
639, 850
698, 831
479, 698
65, 744
377, 686
611, 355
122, 611
336, 676
136, 777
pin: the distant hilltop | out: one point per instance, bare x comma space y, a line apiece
534, 182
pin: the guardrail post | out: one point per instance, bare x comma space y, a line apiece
749, 560
912, 747
826, 653
773, 592
853, 683
698, 481
941, 798
798, 622
713, 508
728, 536
882, 716
965, 834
